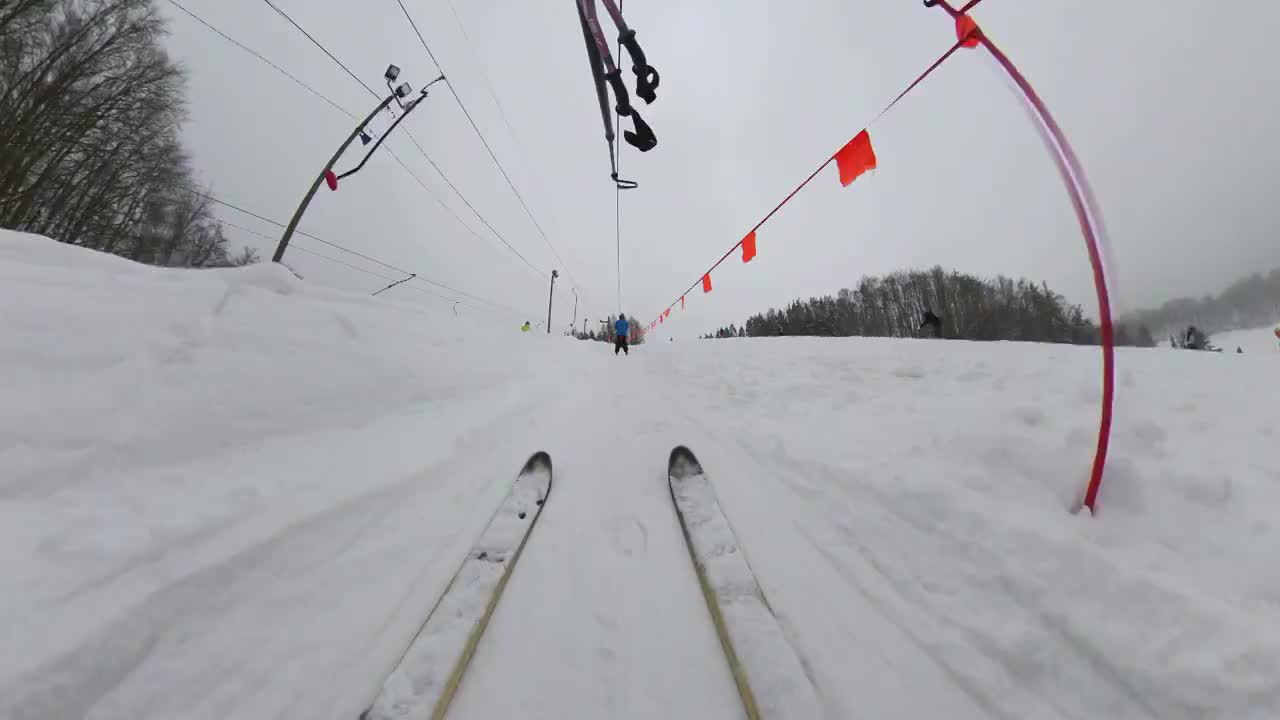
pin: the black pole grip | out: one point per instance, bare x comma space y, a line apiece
619, 92
646, 76
628, 40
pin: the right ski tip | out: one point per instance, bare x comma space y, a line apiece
683, 463
537, 461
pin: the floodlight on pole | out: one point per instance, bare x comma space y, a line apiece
328, 176
407, 109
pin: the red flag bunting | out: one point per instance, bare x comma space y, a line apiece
749, 246
855, 158
667, 314
661, 319
682, 302
706, 283
331, 180
967, 27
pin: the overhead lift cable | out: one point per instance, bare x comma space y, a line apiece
396, 157
488, 148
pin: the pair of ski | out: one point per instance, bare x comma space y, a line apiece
769, 677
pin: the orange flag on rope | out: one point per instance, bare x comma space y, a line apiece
967, 31
749, 246
706, 283
855, 158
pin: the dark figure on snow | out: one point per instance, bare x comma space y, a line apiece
932, 321
620, 329
1196, 339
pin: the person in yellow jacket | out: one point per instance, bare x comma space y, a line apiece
525, 327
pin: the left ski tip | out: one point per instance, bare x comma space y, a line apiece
683, 463
537, 461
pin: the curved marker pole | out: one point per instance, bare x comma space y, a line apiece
1082, 201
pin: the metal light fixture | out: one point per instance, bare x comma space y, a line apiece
328, 176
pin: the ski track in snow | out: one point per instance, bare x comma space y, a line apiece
604, 607
244, 501
1006, 645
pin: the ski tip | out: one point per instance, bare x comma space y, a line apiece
683, 463
537, 461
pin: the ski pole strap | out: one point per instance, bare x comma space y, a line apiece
643, 138
624, 184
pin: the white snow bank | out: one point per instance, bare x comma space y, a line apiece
1254, 340
904, 503
232, 494
201, 473
1249, 340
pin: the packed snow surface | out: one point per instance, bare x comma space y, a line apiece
230, 494
1257, 340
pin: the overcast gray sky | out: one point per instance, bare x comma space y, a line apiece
1168, 105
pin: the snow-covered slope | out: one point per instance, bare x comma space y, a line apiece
230, 494
1251, 340
1256, 340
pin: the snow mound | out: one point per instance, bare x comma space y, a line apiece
232, 494
913, 495
1254, 340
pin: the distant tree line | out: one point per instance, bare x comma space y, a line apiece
1248, 303
90, 112
964, 306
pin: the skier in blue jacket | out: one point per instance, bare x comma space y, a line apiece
620, 329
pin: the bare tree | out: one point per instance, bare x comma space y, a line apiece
90, 112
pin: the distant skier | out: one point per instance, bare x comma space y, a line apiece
1197, 339
525, 327
620, 329
932, 321
1194, 339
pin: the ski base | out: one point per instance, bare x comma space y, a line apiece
431, 670
770, 677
